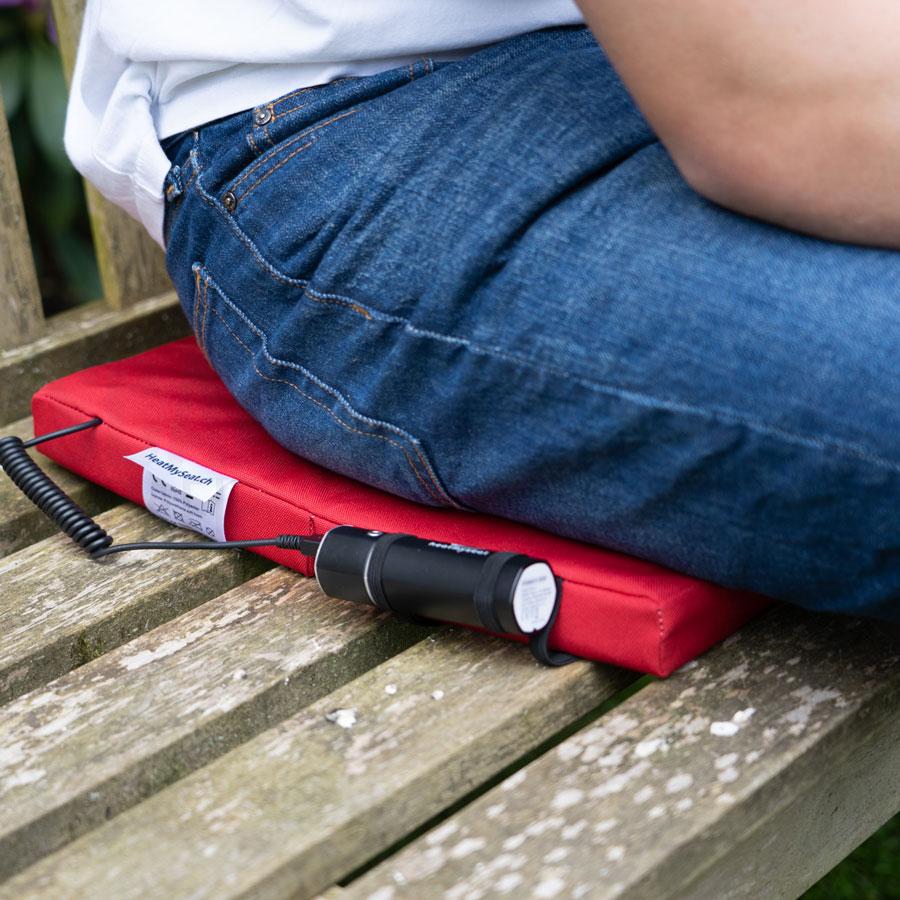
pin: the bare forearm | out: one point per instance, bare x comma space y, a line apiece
785, 111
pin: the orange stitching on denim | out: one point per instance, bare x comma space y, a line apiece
196, 297
252, 144
428, 469
187, 184
284, 112
336, 301
425, 464
429, 490
299, 137
302, 90
275, 168
447, 499
311, 87
318, 297
205, 313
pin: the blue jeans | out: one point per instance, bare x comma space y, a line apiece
483, 284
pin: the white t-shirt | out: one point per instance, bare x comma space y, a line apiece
147, 70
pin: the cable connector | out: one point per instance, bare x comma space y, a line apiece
305, 544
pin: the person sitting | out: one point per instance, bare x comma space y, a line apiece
623, 271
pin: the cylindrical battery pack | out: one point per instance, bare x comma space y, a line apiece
508, 593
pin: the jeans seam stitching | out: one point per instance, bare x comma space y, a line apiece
298, 137
330, 412
437, 492
272, 104
196, 299
284, 112
205, 313
632, 396
336, 301
302, 90
274, 169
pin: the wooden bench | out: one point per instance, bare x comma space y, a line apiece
204, 724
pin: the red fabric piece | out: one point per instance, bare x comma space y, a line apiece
615, 608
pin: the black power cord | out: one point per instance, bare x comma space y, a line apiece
501, 592
58, 506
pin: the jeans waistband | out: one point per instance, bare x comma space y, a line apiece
259, 129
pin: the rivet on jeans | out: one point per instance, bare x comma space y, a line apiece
262, 115
229, 201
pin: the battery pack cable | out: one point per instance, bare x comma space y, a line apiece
44, 493
73, 521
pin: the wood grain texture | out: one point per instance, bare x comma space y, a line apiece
747, 774
22, 523
109, 734
295, 808
132, 265
84, 337
21, 313
68, 16
59, 608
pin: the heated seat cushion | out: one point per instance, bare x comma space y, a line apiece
614, 608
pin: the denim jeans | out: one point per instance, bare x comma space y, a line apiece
484, 284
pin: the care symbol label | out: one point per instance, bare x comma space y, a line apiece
183, 492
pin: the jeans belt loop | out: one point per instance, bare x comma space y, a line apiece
173, 186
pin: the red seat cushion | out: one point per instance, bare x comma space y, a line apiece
615, 608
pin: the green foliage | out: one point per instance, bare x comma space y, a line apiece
13, 69
46, 104
34, 94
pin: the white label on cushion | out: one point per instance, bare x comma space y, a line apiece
184, 492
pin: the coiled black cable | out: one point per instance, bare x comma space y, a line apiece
53, 501
47, 495
60, 508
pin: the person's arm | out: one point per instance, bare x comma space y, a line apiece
787, 110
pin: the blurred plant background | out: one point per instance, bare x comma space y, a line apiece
34, 93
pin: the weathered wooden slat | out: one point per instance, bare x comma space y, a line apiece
83, 337
749, 774
21, 314
59, 608
102, 738
290, 811
68, 16
132, 266
22, 523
